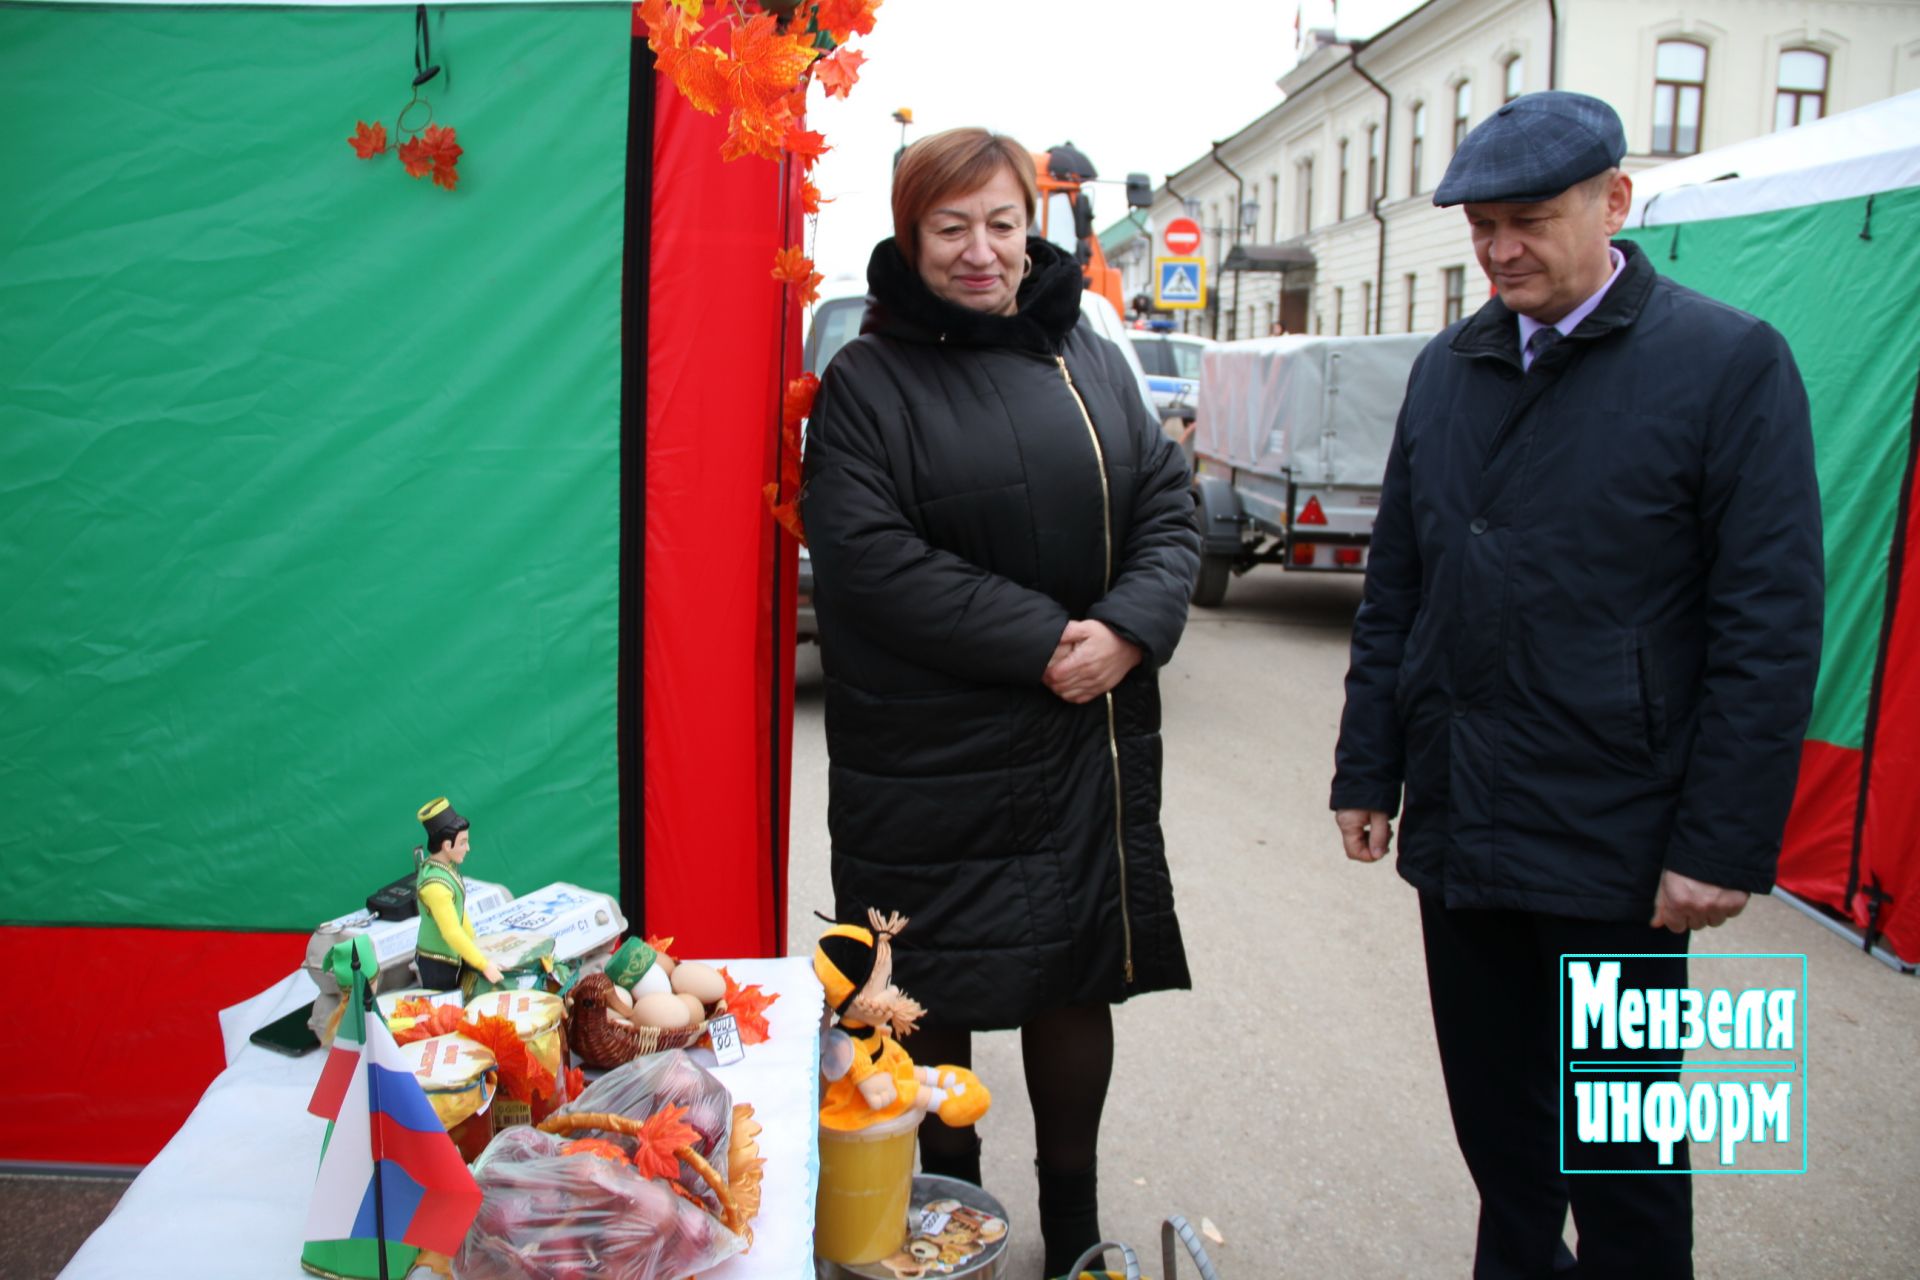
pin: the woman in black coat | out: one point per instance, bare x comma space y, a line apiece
1003, 547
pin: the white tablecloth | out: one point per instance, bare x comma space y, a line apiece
227, 1197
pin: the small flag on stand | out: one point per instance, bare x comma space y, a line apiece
389, 1172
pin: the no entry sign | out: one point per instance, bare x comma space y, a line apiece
1182, 237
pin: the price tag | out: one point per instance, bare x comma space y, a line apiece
725, 1033
932, 1223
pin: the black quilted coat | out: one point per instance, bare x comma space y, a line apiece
1593, 606
960, 511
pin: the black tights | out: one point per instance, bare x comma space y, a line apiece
1068, 1056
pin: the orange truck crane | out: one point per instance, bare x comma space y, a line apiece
1066, 214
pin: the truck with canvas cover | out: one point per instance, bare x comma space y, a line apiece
1290, 445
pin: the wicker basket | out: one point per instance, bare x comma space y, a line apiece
734, 1214
602, 1042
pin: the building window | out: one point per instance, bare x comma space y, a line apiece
1413, 295
1340, 197
1273, 319
1456, 295
1419, 146
1319, 323
1373, 163
1512, 79
1306, 195
1366, 306
1339, 309
1679, 92
1801, 97
1462, 112
1232, 318
1273, 206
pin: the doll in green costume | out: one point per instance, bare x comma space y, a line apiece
446, 944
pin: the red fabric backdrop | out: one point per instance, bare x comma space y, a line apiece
716, 735
1890, 837
113, 1034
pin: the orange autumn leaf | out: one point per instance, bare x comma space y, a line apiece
521, 1076
765, 63
661, 946
790, 265
438, 1020
840, 72
752, 133
806, 144
417, 158
797, 404
844, 19
368, 143
594, 1147
749, 1005
413, 1007
576, 1081
668, 24
441, 144
787, 516
701, 76
662, 1134
809, 198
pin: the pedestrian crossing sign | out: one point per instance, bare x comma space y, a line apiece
1179, 283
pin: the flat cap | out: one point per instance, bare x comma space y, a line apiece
1532, 149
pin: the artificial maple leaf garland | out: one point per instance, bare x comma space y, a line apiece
434, 151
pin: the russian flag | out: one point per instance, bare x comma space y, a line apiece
428, 1196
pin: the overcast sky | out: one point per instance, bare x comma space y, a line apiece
1138, 85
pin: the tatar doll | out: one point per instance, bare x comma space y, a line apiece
870, 1077
446, 944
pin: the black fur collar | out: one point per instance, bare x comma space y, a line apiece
900, 305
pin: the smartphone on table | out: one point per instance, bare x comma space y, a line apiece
290, 1034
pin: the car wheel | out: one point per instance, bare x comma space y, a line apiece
1210, 588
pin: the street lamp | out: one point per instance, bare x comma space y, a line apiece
1249, 217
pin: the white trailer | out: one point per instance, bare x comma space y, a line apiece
1290, 445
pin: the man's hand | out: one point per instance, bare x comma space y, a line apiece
1367, 833
1095, 661
1684, 903
491, 973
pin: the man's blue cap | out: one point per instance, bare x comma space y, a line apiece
1532, 149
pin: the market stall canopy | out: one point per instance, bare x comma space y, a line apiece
1819, 235
1856, 153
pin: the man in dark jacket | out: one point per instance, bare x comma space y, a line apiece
1586, 654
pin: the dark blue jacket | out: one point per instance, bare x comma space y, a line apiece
1591, 625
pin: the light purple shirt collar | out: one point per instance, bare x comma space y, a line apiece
1571, 321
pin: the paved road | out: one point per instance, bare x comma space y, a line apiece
1293, 1097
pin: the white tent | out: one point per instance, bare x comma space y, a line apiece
1856, 153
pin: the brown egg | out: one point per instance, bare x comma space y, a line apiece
701, 981
695, 1010
663, 1010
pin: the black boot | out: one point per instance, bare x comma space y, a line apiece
1069, 1215
950, 1153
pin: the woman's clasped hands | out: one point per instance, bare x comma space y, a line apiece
1089, 661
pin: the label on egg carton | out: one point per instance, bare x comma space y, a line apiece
578, 920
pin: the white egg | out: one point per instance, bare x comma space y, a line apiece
654, 979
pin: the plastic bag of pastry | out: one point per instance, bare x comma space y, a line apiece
643, 1086
557, 1208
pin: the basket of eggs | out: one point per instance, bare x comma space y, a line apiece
668, 1007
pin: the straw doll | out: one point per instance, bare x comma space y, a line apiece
870, 1077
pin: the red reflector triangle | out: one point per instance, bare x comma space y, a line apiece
1311, 513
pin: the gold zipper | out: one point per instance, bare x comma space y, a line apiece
1113, 737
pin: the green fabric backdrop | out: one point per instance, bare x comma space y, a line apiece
1809, 273
308, 469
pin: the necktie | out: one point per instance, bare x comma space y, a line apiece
1542, 339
